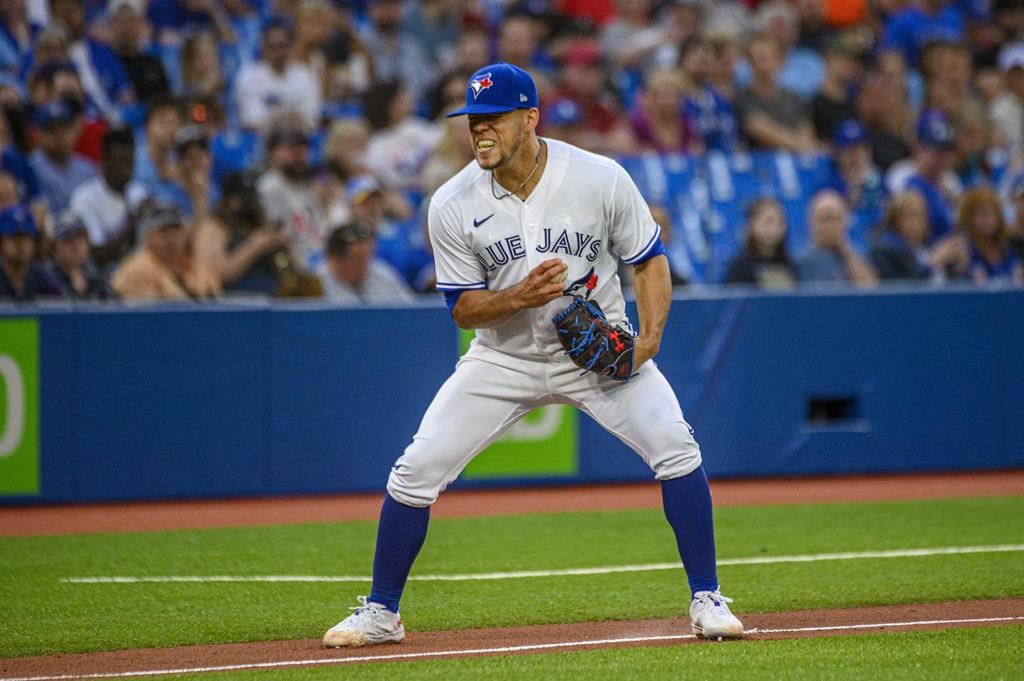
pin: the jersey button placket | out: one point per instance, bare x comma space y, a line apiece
530, 231
528, 228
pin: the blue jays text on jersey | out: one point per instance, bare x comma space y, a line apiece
567, 241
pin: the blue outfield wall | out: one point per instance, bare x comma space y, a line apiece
210, 402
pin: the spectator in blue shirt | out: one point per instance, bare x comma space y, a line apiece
195, 192
17, 34
935, 156
856, 178
711, 116
401, 243
59, 169
154, 150
234, 149
21, 279
921, 23
101, 71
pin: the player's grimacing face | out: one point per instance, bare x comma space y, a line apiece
497, 137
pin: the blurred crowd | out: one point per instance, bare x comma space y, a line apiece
196, 149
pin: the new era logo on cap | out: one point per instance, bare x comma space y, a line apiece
498, 88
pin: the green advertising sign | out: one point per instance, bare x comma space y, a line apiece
19, 406
542, 444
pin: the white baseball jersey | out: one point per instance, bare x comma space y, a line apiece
585, 210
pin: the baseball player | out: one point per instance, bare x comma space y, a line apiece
530, 226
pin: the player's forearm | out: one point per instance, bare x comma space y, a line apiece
653, 285
484, 309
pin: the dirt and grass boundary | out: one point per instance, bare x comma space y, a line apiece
176, 515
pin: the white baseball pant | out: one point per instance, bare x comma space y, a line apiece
489, 391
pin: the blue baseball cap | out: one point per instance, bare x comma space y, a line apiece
935, 130
849, 133
17, 220
563, 112
498, 88
53, 113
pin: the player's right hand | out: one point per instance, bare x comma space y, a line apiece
537, 289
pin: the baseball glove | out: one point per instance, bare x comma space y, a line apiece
592, 343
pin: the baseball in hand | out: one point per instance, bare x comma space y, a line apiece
560, 277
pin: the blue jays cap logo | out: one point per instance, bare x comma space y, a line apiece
481, 83
498, 88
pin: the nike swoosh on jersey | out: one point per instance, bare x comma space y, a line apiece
477, 223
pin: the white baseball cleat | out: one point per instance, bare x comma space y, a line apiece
371, 623
710, 616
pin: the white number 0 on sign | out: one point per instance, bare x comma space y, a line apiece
13, 425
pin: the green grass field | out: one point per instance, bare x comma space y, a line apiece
41, 614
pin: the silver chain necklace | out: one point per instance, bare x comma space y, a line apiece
529, 177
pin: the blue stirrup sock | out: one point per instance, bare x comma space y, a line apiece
687, 502
400, 536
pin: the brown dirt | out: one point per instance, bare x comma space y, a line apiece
555, 637
125, 517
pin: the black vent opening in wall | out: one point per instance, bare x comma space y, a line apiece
833, 409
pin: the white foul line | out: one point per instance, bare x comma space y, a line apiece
613, 569
489, 651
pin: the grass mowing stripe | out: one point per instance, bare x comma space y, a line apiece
496, 650
614, 569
